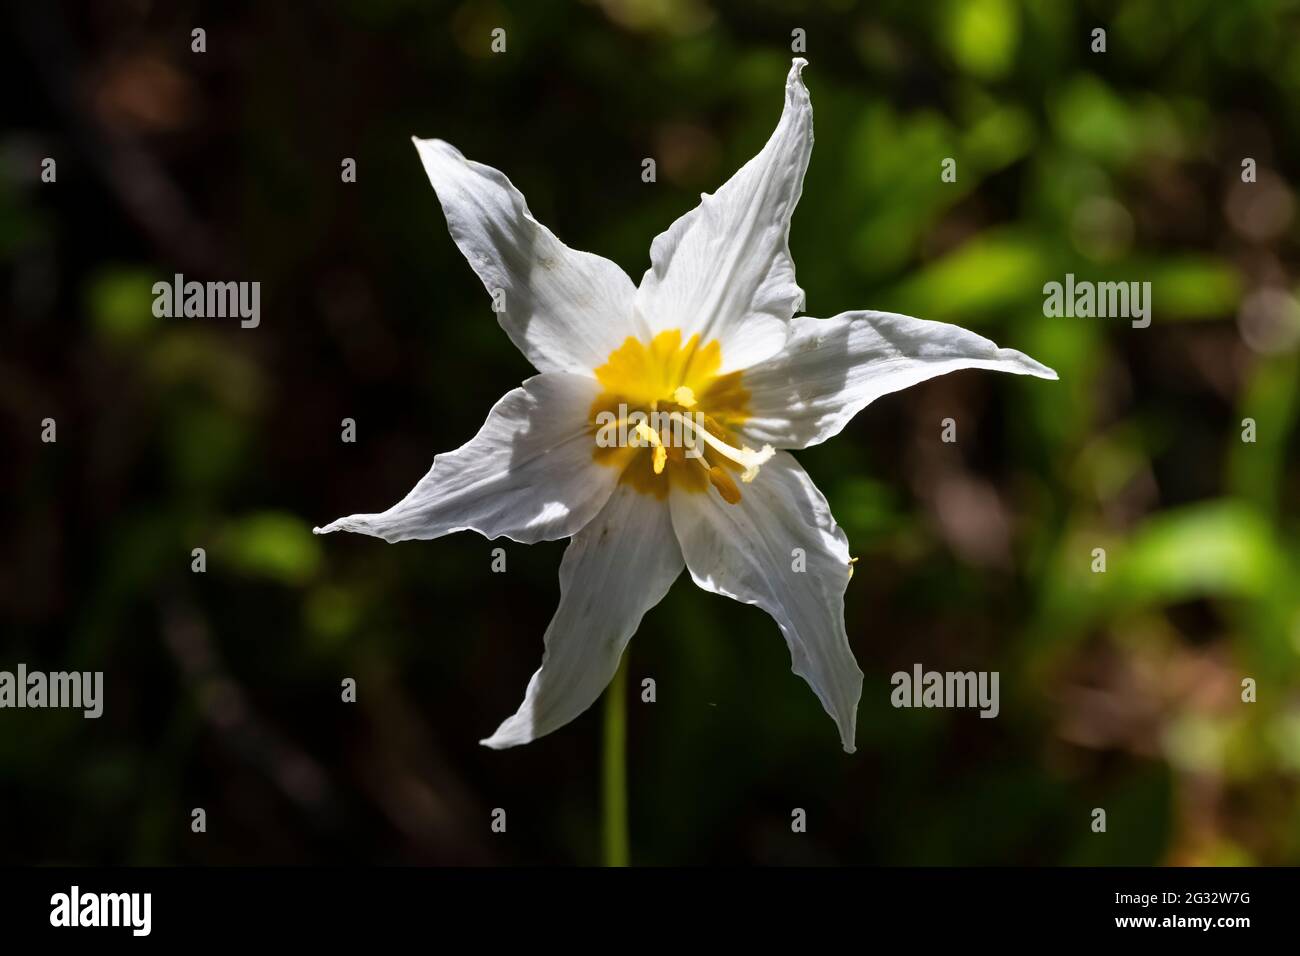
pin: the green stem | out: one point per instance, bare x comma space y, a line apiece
615, 769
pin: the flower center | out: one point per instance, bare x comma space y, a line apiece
666, 418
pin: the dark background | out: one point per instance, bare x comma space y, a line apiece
1119, 690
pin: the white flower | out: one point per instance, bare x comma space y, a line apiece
709, 341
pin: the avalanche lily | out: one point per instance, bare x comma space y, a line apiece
708, 371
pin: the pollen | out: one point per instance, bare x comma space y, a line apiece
667, 418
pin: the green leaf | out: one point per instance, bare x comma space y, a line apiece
272, 544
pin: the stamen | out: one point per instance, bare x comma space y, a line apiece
648, 434
719, 478
725, 485
684, 396
750, 459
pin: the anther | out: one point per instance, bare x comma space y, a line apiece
723, 482
651, 437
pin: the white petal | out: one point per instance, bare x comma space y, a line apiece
832, 368
724, 269
565, 310
528, 474
616, 569
746, 551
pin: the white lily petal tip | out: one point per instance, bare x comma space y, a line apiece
504, 739
849, 735
794, 80
358, 523
1030, 366
434, 147
1042, 371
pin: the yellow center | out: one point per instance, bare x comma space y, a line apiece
667, 419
